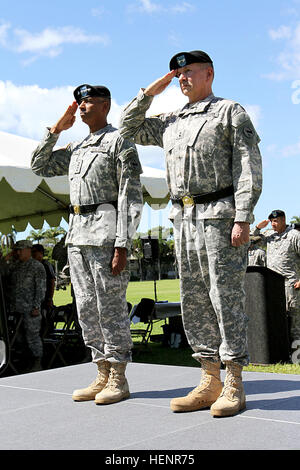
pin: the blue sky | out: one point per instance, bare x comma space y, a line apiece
47, 49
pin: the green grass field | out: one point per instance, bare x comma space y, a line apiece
155, 353
167, 289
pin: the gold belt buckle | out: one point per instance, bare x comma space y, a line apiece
76, 209
188, 201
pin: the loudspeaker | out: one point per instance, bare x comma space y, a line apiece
150, 248
268, 338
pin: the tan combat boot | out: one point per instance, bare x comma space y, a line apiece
232, 399
116, 388
205, 394
89, 393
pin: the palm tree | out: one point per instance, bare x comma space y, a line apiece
36, 235
295, 219
53, 233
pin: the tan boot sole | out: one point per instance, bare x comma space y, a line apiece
108, 401
177, 408
224, 413
83, 398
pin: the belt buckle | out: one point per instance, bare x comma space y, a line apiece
188, 201
76, 209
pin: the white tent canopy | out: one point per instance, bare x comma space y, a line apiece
27, 198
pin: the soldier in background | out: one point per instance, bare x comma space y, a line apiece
38, 252
213, 167
106, 205
283, 257
256, 255
27, 288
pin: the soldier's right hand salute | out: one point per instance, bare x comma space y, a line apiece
262, 224
66, 121
159, 85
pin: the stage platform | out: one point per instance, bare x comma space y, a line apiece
37, 413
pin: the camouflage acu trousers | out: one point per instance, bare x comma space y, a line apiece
101, 303
31, 331
212, 274
293, 307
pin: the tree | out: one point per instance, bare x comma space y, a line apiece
295, 219
8, 240
48, 238
36, 235
53, 234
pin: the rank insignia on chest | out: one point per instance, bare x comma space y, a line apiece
78, 165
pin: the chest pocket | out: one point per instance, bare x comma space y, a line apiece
184, 135
195, 132
81, 165
87, 162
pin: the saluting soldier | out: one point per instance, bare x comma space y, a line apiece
106, 205
283, 257
213, 167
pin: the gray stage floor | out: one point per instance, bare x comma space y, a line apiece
37, 413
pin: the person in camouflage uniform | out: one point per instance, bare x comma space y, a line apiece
213, 168
256, 255
27, 287
283, 257
106, 205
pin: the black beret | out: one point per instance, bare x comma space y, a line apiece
82, 91
185, 58
276, 213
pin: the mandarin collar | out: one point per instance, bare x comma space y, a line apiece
198, 106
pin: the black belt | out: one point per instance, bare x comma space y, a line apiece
191, 200
85, 209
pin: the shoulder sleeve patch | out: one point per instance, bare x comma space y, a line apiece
242, 123
239, 119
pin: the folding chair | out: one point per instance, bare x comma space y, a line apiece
4, 338
18, 350
145, 311
63, 341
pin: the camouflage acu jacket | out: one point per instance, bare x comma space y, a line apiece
283, 252
102, 168
27, 286
256, 256
209, 145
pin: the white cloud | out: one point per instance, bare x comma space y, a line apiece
98, 12
291, 150
255, 113
288, 151
288, 58
280, 33
50, 39
182, 7
4, 27
48, 42
149, 7
170, 100
28, 110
